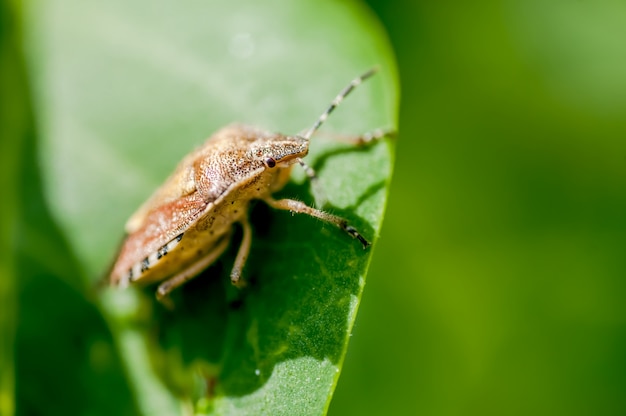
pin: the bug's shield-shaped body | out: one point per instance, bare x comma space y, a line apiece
187, 224
189, 219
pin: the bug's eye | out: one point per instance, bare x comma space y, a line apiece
270, 162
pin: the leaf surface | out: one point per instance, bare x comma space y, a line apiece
124, 90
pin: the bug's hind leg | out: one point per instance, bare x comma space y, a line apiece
192, 271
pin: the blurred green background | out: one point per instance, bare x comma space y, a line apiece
499, 281
497, 286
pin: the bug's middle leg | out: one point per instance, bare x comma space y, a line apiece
190, 272
242, 254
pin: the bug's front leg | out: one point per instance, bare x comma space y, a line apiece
190, 272
318, 192
302, 208
362, 139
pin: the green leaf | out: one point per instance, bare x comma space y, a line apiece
125, 90
14, 126
54, 345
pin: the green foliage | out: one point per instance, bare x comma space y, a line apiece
14, 127
498, 284
123, 90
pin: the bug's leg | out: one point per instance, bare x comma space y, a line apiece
363, 139
302, 208
242, 254
189, 273
318, 192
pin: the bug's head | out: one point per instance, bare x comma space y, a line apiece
280, 151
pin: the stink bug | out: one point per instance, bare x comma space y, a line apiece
188, 222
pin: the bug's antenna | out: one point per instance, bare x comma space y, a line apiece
338, 99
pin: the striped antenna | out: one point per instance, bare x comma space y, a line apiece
338, 99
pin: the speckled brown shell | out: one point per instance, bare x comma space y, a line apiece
209, 191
